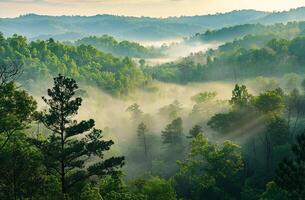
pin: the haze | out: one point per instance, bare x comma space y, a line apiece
155, 8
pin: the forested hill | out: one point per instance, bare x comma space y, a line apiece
42, 60
235, 63
289, 30
120, 48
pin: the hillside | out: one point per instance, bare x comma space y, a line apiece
109, 44
289, 30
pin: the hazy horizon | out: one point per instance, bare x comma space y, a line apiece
147, 8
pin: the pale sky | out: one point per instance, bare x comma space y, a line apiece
155, 8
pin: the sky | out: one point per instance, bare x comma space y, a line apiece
153, 8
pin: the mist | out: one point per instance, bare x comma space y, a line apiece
177, 48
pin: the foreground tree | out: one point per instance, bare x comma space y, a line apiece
154, 188
70, 143
208, 170
290, 175
16, 111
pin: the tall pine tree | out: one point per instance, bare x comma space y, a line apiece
71, 144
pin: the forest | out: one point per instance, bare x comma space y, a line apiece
94, 116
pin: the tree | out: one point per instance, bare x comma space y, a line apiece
70, 144
155, 188
90, 192
290, 175
17, 108
196, 130
135, 111
208, 167
173, 133
240, 97
271, 101
114, 188
142, 134
273, 192
22, 173
204, 97
171, 111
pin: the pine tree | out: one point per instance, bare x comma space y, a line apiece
72, 143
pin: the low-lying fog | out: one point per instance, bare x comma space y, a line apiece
110, 113
176, 49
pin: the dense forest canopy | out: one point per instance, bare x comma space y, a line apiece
237, 61
109, 44
44, 59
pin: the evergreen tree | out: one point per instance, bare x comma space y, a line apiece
70, 143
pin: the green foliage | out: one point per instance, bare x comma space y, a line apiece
237, 62
71, 144
290, 173
240, 97
171, 111
173, 133
204, 97
108, 44
16, 110
196, 130
113, 188
208, 165
90, 192
44, 59
271, 101
155, 188
22, 172
273, 192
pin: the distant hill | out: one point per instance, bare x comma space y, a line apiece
139, 28
297, 14
278, 30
